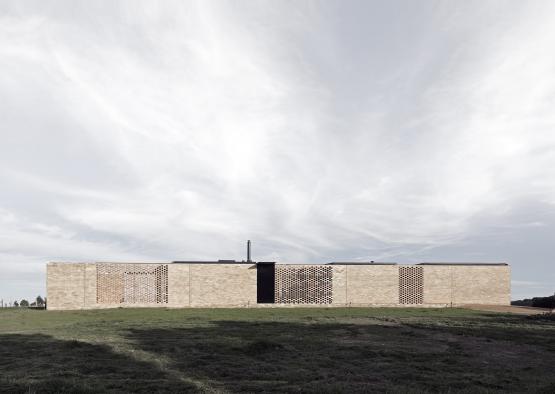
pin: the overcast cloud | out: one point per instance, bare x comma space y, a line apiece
398, 131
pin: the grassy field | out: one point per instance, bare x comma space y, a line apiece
275, 350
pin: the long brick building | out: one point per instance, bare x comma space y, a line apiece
226, 283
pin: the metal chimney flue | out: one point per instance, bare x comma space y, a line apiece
249, 251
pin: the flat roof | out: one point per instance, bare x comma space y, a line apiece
213, 262
462, 264
359, 263
273, 262
277, 263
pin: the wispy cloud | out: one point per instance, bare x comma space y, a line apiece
321, 131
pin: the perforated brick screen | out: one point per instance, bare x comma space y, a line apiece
411, 285
303, 285
131, 283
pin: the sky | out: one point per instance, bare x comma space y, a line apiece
323, 131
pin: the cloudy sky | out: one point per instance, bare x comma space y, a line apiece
323, 131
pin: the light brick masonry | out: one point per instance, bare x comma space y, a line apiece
234, 284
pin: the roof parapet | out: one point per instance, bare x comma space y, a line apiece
359, 263
463, 264
211, 262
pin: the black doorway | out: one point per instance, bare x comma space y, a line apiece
265, 283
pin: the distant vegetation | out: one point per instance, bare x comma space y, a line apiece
39, 303
537, 302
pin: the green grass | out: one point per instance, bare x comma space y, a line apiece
275, 350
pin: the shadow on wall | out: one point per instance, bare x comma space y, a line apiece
40, 363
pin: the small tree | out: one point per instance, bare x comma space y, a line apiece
24, 303
39, 301
16, 304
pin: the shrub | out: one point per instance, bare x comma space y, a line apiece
544, 302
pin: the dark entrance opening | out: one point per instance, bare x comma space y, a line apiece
265, 283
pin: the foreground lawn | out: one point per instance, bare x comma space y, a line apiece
277, 350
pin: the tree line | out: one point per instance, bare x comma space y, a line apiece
537, 302
39, 302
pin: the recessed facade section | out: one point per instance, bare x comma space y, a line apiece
411, 285
131, 284
265, 283
303, 284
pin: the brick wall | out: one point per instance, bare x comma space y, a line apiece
339, 285
372, 284
131, 285
65, 286
438, 285
482, 285
303, 284
179, 285
76, 286
222, 284
467, 284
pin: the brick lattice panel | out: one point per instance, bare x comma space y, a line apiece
411, 285
303, 285
132, 283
